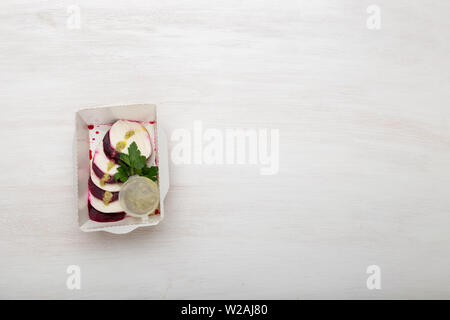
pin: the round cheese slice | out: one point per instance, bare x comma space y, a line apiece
102, 162
122, 134
111, 187
102, 207
98, 216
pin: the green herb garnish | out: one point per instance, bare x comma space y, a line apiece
134, 163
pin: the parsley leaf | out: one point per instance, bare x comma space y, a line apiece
151, 173
136, 159
122, 174
124, 158
134, 163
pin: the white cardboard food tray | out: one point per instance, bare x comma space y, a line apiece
105, 115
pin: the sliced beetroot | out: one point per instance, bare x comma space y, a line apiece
122, 134
109, 150
99, 173
104, 163
100, 193
98, 216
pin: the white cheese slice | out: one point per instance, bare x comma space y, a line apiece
122, 128
103, 162
112, 187
100, 206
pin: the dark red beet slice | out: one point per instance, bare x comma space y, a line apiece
109, 150
99, 193
98, 216
99, 173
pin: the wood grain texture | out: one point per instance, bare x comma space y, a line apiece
364, 147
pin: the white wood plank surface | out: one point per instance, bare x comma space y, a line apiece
364, 122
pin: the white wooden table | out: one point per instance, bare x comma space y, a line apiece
364, 122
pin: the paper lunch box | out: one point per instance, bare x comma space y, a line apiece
91, 125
